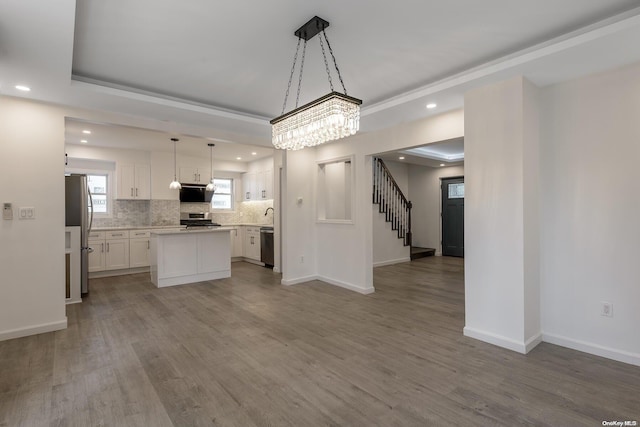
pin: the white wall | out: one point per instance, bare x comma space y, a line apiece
590, 242
344, 251
387, 247
32, 251
500, 182
424, 187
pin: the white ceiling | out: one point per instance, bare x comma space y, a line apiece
435, 155
219, 69
125, 137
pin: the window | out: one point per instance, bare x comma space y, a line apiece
98, 184
456, 191
223, 197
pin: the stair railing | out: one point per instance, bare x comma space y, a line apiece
391, 201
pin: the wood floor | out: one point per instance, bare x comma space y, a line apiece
246, 351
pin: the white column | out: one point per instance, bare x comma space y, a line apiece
502, 302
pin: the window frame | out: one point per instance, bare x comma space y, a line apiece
109, 193
231, 195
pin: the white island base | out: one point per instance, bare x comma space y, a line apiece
190, 256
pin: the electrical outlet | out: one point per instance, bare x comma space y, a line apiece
301, 259
606, 309
7, 211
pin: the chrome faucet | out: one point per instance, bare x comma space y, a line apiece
267, 211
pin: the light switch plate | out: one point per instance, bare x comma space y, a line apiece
27, 213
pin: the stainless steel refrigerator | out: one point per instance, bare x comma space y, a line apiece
79, 212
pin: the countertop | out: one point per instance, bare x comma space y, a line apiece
191, 230
160, 227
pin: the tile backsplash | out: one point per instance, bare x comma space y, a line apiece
149, 213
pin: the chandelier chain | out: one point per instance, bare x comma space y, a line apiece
304, 51
326, 64
335, 63
293, 67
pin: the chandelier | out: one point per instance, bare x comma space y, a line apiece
330, 117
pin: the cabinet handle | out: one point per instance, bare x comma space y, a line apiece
264, 194
247, 196
148, 245
198, 177
194, 177
136, 192
131, 192
101, 247
119, 234
107, 247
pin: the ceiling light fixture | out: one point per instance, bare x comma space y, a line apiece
441, 164
88, 132
23, 88
211, 186
84, 141
431, 106
253, 153
175, 184
401, 158
238, 158
330, 117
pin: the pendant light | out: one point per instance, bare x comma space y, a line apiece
211, 186
330, 117
175, 184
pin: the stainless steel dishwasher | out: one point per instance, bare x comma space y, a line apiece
266, 246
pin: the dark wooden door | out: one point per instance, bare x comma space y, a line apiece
453, 217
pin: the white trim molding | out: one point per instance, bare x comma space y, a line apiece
33, 330
504, 342
349, 286
391, 262
591, 348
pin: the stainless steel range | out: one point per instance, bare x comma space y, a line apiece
197, 219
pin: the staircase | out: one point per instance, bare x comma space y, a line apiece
395, 206
391, 201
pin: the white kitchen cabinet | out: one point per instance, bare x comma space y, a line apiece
194, 175
117, 250
249, 186
265, 184
237, 242
139, 248
134, 182
252, 243
258, 185
97, 255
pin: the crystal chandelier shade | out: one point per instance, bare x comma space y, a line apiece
328, 118
331, 117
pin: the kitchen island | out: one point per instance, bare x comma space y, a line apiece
184, 256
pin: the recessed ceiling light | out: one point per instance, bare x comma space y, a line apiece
431, 106
441, 164
238, 158
253, 153
23, 88
84, 141
401, 158
88, 132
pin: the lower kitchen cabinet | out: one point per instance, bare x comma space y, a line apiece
139, 248
252, 243
237, 239
117, 254
97, 253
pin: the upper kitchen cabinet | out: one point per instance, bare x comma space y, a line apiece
194, 175
134, 182
257, 184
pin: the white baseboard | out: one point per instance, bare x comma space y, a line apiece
298, 280
364, 291
33, 330
349, 286
595, 349
504, 342
391, 262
